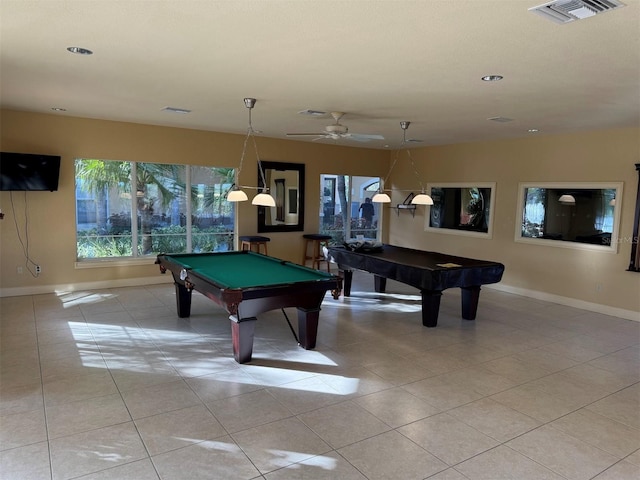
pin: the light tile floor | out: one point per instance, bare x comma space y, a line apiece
110, 384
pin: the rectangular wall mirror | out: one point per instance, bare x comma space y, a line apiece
461, 208
286, 184
573, 215
634, 262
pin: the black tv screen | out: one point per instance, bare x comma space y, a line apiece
26, 171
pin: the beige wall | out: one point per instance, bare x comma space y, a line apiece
595, 156
588, 276
51, 216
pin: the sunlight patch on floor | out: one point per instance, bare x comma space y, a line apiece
320, 461
381, 302
122, 349
73, 299
284, 458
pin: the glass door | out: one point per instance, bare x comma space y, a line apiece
346, 210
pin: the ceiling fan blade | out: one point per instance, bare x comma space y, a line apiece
358, 139
305, 134
362, 137
337, 132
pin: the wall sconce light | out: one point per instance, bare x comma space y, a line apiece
422, 198
236, 194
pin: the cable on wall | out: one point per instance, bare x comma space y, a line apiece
24, 243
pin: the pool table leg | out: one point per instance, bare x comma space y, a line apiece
308, 327
470, 298
379, 284
242, 338
430, 307
183, 300
347, 277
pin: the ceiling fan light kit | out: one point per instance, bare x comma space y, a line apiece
337, 129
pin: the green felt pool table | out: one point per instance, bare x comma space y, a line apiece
246, 284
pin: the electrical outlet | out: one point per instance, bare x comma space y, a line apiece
38, 269
19, 270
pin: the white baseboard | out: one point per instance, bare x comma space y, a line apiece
74, 287
155, 280
570, 302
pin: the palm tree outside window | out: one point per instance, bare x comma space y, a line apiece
138, 209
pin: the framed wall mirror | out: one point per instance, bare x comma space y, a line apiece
286, 184
570, 215
634, 262
461, 208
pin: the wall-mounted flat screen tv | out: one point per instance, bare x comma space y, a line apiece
26, 171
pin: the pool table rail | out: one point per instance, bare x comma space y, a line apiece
430, 272
245, 304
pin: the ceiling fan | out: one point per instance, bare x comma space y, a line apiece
337, 131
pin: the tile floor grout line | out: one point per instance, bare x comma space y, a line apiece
44, 407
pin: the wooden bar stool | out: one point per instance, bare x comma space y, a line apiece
316, 255
249, 241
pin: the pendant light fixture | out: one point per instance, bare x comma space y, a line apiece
236, 194
422, 198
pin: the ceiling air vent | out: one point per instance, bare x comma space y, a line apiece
501, 119
313, 113
565, 11
176, 110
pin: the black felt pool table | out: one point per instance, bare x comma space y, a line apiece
430, 272
247, 284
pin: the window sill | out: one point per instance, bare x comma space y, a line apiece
119, 262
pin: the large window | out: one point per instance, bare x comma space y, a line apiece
136, 209
346, 210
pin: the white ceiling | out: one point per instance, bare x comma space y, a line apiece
380, 61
